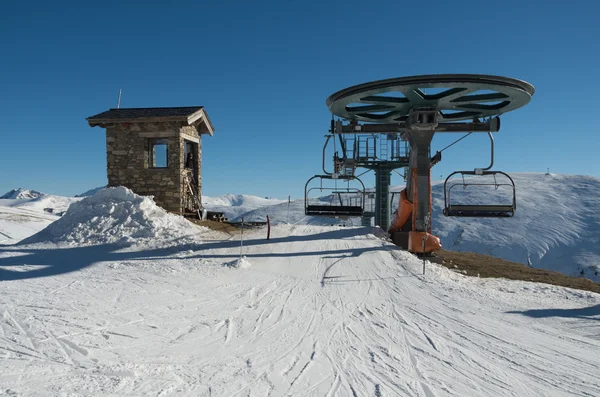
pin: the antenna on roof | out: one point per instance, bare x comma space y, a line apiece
119, 99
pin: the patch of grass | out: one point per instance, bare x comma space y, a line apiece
218, 226
479, 265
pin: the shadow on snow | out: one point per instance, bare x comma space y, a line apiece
58, 260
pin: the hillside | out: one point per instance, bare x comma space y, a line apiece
556, 225
235, 205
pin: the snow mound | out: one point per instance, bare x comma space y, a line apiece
240, 263
114, 215
90, 192
17, 194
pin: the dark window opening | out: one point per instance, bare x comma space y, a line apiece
159, 153
189, 155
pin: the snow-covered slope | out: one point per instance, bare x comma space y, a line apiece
91, 192
21, 217
556, 225
292, 213
17, 223
235, 205
315, 311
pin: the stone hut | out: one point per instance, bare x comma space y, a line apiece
157, 152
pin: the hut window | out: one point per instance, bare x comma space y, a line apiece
159, 153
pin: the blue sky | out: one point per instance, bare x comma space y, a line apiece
263, 71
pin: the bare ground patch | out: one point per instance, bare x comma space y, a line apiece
479, 265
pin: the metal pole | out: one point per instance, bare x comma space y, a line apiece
119, 99
492, 155
242, 240
427, 221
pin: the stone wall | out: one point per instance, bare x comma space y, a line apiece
128, 161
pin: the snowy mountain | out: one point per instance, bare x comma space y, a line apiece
17, 194
235, 205
314, 311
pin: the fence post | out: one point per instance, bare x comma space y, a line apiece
242, 240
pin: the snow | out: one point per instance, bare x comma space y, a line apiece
556, 225
21, 194
114, 215
21, 217
235, 205
90, 192
321, 311
240, 263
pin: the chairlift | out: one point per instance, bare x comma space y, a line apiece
344, 201
479, 210
504, 210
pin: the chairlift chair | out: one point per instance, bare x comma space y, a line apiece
341, 204
479, 210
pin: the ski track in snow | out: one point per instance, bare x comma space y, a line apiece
323, 311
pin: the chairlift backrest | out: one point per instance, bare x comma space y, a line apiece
479, 210
352, 205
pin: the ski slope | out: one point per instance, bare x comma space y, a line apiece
314, 311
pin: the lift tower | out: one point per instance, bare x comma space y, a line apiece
412, 110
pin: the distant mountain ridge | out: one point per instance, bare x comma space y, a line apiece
20, 193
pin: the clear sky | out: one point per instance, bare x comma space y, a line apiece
263, 70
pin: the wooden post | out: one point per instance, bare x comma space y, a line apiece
268, 228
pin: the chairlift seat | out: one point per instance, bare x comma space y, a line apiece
334, 210
490, 211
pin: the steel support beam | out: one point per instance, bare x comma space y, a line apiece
491, 125
382, 192
419, 176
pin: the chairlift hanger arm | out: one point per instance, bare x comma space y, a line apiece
324, 148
